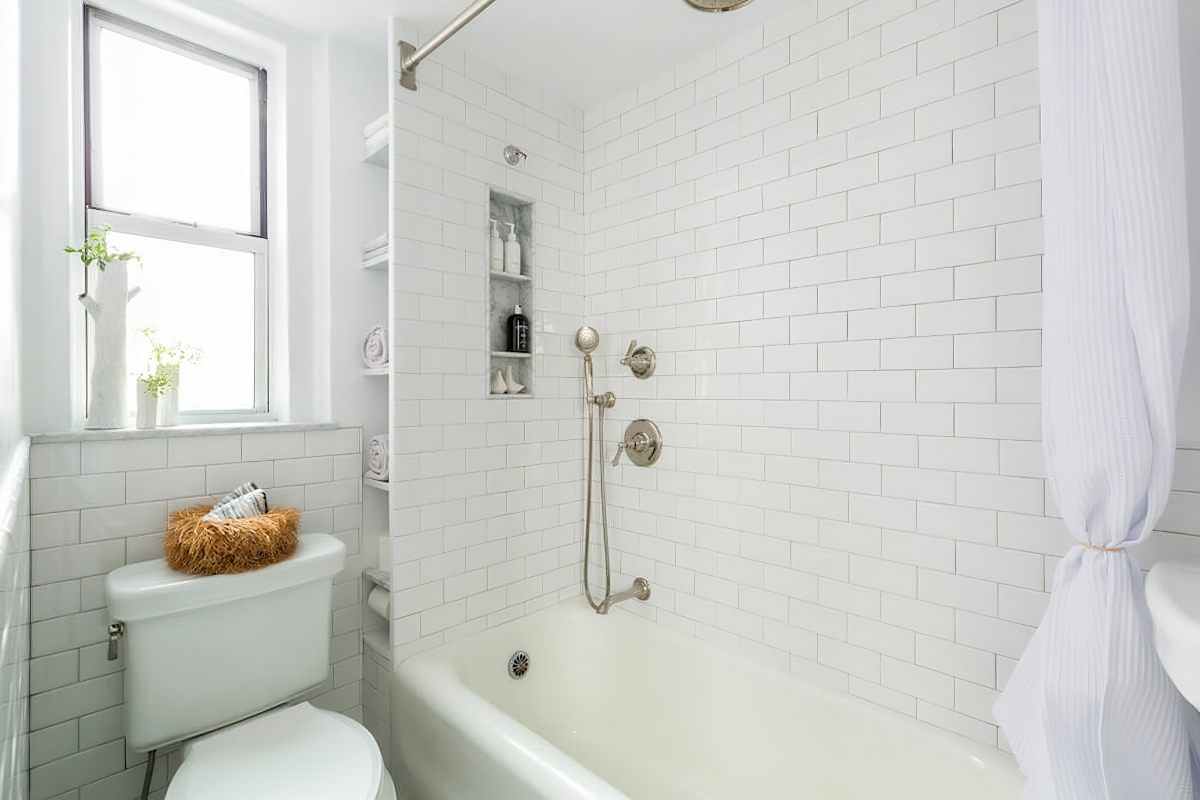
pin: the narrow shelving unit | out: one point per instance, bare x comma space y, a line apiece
379, 577
379, 262
375, 628
376, 147
377, 638
506, 290
376, 631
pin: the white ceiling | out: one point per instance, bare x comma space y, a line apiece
579, 51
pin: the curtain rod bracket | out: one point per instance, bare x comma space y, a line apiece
408, 74
411, 56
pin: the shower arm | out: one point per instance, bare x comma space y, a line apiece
411, 56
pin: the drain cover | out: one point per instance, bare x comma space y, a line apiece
518, 665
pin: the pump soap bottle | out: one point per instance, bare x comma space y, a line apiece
512, 251
496, 249
518, 332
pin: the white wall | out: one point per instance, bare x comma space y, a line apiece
486, 512
14, 486
829, 228
102, 502
358, 211
52, 201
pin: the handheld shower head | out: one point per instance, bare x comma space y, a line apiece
587, 340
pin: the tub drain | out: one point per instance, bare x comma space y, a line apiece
518, 665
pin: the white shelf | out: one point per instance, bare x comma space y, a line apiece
383, 371
508, 276
376, 638
506, 354
379, 262
371, 483
375, 147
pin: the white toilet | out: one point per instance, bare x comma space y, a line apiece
210, 660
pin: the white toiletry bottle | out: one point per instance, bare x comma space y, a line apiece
496, 249
512, 251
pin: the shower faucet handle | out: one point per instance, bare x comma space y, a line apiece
643, 443
640, 360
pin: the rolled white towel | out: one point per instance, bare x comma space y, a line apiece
246, 500
378, 243
375, 347
379, 457
247, 505
373, 127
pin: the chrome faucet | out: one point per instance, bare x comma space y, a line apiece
639, 591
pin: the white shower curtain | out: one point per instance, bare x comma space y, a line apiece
1089, 711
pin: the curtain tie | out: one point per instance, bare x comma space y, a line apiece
1101, 549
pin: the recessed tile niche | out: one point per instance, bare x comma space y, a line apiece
506, 290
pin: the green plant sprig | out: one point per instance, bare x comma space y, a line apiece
157, 384
162, 373
94, 250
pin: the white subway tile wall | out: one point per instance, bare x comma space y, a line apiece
486, 492
830, 231
14, 623
97, 505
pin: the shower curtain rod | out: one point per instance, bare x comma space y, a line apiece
411, 56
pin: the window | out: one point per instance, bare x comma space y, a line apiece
176, 168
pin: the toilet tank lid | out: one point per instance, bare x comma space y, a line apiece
152, 589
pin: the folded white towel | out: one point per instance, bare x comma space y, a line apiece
246, 500
375, 347
378, 243
379, 457
373, 127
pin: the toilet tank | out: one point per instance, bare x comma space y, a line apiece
202, 652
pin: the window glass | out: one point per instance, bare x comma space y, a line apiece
174, 137
175, 174
201, 297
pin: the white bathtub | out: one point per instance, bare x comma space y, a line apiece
617, 707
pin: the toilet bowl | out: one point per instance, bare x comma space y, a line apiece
286, 754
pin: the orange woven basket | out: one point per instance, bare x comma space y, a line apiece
199, 546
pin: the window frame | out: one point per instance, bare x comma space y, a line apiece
255, 241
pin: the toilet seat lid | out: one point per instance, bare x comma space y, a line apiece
295, 752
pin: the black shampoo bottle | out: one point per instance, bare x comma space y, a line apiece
518, 332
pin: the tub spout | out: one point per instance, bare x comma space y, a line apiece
640, 590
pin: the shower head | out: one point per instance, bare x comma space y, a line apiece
586, 339
718, 5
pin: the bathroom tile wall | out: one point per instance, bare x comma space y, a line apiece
829, 228
14, 623
100, 503
486, 511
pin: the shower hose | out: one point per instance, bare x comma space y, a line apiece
587, 527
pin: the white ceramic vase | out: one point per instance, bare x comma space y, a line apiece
510, 383
107, 303
168, 404
147, 411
